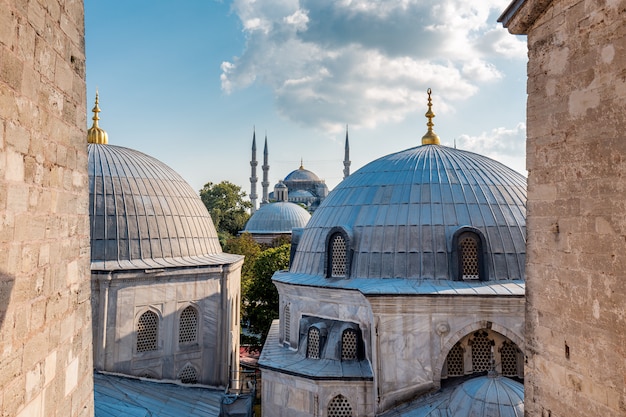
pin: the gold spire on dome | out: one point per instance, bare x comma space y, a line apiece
95, 134
301, 164
430, 138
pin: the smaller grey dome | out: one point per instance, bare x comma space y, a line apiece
280, 217
302, 174
300, 194
488, 396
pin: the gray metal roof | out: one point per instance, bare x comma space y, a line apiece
301, 174
483, 396
144, 215
280, 217
403, 209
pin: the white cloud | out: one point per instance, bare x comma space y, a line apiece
363, 62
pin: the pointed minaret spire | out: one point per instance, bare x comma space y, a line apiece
95, 134
346, 157
266, 169
430, 138
301, 163
253, 177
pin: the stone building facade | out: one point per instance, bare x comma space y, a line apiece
576, 160
45, 310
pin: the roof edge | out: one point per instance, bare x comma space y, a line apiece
520, 15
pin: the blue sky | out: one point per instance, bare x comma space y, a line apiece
187, 82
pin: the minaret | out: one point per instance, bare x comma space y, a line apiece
95, 134
266, 170
253, 177
430, 138
346, 158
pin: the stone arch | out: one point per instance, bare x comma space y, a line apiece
147, 312
461, 333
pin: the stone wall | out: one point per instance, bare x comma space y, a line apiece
45, 313
576, 158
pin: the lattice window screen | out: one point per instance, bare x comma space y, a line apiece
349, 342
287, 315
188, 325
508, 359
339, 407
469, 257
313, 345
455, 361
188, 375
147, 332
338, 257
481, 352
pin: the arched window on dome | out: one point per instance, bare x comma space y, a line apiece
469, 249
147, 332
313, 343
338, 254
339, 406
188, 325
349, 345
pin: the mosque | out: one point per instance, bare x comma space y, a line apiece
405, 293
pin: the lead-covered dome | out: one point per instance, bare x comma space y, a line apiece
405, 214
488, 396
144, 215
279, 217
302, 174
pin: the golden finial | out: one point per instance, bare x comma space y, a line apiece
430, 138
95, 134
301, 164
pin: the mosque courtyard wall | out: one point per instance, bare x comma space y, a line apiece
576, 159
45, 311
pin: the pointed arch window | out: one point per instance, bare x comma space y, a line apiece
482, 351
349, 345
470, 253
508, 357
338, 253
313, 343
339, 407
147, 332
188, 375
188, 325
455, 362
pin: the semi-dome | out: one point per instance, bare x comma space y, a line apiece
279, 217
144, 215
488, 396
400, 216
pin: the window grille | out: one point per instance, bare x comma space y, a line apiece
469, 247
338, 256
188, 375
508, 359
313, 345
287, 319
339, 407
188, 325
349, 343
147, 332
482, 353
455, 361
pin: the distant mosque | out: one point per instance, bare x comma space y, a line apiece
301, 186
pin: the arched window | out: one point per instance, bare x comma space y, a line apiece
508, 358
349, 345
482, 352
147, 332
313, 343
339, 407
188, 325
455, 361
188, 375
338, 258
470, 256
287, 319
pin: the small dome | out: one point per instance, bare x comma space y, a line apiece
302, 174
280, 217
144, 215
403, 210
488, 396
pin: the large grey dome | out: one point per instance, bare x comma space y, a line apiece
280, 217
144, 215
488, 396
302, 174
401, 212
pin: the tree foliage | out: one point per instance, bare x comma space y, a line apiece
244, 245
226, 204
260, 298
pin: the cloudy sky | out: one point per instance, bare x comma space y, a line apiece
188, 82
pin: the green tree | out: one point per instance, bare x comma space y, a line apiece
226, 204
244, 245
260, 304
